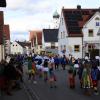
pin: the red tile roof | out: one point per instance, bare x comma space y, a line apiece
39, 37
76, 18
1, 26
6, 31
36, 34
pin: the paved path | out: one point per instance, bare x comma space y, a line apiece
43, 92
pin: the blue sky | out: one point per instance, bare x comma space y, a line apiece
26, 15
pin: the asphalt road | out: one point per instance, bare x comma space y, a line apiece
42, 90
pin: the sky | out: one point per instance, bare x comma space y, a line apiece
26, 15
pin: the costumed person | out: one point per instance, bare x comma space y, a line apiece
34, 71
86, 79
71, 77
45, 70
80, 71
56, 62
63, 62
29, 68
94, 75
52, 78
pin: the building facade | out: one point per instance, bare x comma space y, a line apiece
20, 47
73, 31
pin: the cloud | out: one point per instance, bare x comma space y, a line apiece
25, 15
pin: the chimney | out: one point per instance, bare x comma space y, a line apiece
79, 7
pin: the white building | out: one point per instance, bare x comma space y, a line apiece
20, 47
73, 30
91, 39
50, 40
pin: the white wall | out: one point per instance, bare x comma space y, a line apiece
8, 50
16, 49
62, 28
74, 41
48, 44
91, 24
1, 52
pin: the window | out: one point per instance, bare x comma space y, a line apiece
97, 18
62, 21
64, 47
61, 35
76, 48
61, 47
40, 47
97, 24
90, 47
90, 32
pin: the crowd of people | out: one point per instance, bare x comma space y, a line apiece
11, 72
44, 66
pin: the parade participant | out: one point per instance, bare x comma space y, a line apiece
71, 77
52, 78
45, 70
86, 78
80, 71
63, 62
29, 67
94, 76
56, 62
34, 71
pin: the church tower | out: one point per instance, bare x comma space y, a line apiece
56, 17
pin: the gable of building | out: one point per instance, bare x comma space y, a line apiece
94, 19
76, 18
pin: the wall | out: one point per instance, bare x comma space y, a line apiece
16, 49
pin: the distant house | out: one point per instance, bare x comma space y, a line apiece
20, 47
78, 28
50, 40
36, 41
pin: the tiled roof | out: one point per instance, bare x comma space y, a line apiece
39, 38
23, 44
6, 31
50, 35
76, 18
36, 34
1, 26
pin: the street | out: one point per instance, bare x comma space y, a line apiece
42, 90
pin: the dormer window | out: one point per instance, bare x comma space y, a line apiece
97, 19
97, 23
